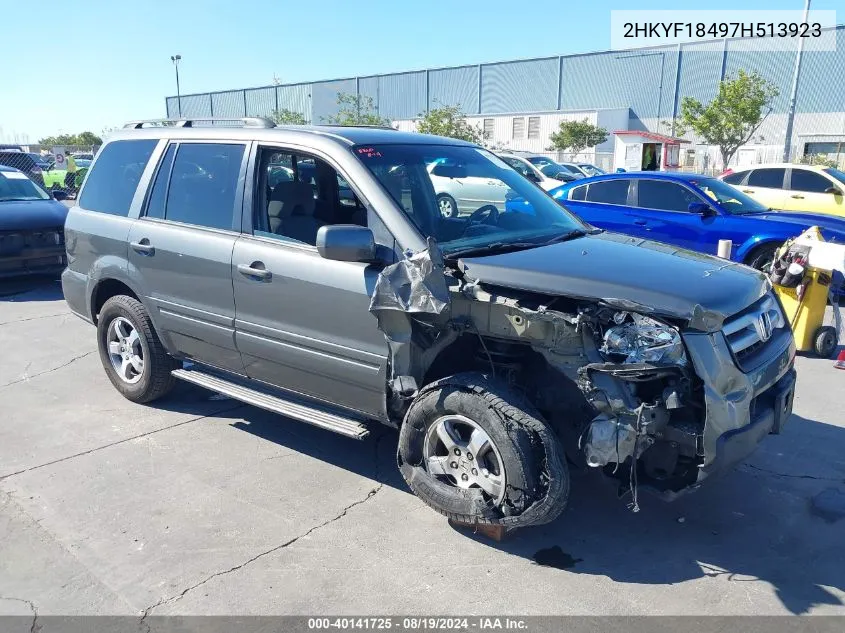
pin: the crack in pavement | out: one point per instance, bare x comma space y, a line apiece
35, 318
47, 371
128, 439
790, 476
146, 612
32, 607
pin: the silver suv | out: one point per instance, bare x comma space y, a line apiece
310, 271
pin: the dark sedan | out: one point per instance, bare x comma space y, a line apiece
31, 227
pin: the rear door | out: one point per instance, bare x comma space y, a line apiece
808, 190
766, 186
180, 249
604, 204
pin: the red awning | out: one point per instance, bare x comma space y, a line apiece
652, 136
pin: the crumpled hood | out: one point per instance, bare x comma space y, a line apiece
32, 215
630, 273
833, 228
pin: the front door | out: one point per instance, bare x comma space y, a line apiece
765, 185
180, 249
811, 191
662, 210
303, 322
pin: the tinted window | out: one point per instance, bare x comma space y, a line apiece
155, 206
771, 178
809, 181
734, 178
579, 193
203, 184
111, 183
521, 167
609, 192
664, 195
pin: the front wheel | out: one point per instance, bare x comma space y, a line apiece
477, 452
763, 257
132, 354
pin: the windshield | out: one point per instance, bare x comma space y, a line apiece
465, 197
731, 198
16, 186
540, 161
591, 170
836, 173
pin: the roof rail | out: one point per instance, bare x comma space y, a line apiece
250, 121
363, 125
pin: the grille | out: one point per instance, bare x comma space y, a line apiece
748, 331
15, 243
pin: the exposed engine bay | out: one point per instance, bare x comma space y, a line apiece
616, 385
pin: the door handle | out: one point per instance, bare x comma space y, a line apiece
747, 191
143, 246
640, 222
797, 196
255, 269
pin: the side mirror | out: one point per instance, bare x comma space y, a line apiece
346, 243
836, 191
449, 171
701, 208
59, 195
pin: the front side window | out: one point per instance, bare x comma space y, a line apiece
203, 184
500, 208
771, 178
608, 192
809, 181
664, 195
111, 183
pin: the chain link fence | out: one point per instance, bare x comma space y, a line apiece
56, 169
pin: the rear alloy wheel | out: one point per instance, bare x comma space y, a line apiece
447, 205
477, 452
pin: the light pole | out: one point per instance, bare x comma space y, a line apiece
790, 110
175, 59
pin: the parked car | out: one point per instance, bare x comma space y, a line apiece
690, 211
495, 342
31, 227
462, 189
559, 172
793, 187
531, 172
581, 170
25, 162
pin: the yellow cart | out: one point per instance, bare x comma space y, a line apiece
806, 314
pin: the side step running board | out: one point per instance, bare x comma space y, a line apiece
295, 410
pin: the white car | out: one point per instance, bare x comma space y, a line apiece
531, 172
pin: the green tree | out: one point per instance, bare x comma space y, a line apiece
733, 116
577, 135
450, 121
355, 110
287, 117
84, 138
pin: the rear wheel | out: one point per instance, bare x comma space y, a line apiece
478, 453
447, 205
132, 354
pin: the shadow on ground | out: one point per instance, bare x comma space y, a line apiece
37, 288
758, 524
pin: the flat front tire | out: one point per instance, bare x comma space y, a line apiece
131, 352
477, 452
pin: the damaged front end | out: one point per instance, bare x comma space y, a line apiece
650, 398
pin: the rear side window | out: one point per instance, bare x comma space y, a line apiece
771, 178
735, 178
158, 196
203, 184
608, 192
809, 181
579, 193
111, 183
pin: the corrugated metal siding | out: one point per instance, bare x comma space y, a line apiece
822, 86
196, 106
701, 71
760, 56
260, 101
402, 96
324, 97
640, 80
297, 98
172, 104
228, 104
454, 86
519, 86
369, 87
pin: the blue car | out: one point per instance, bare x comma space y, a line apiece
687, 210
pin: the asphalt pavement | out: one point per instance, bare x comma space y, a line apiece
202, 505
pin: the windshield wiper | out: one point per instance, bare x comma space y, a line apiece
569, 235
492, 248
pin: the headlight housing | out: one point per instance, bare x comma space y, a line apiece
640, 339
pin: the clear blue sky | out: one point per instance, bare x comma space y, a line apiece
79, 65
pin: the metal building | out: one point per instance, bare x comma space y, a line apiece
520, 102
